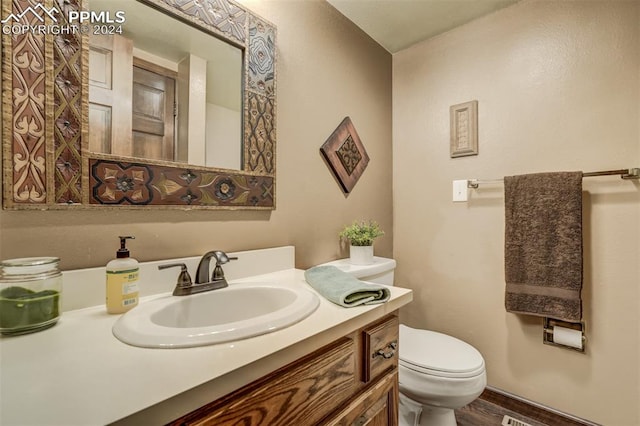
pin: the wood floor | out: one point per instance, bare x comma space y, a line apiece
484, 413
491, 407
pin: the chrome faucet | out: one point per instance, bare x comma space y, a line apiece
184, 285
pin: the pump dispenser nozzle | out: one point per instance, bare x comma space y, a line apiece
123, 251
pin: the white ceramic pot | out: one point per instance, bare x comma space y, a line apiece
361, 255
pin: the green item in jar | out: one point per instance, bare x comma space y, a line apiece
21, 308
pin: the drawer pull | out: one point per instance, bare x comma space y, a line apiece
386, 355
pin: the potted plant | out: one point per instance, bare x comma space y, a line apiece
361, 236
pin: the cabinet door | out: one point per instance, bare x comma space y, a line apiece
376, 406
300, 394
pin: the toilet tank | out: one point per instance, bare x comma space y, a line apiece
379, 272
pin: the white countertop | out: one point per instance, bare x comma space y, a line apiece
78, 373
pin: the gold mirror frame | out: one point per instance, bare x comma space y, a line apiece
46, 164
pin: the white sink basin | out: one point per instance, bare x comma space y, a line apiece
232, 313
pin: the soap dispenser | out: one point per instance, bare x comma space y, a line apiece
123, 274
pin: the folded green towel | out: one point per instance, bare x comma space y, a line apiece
343, 289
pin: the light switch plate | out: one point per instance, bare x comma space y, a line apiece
460, 191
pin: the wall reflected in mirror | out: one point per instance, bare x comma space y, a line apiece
164, 90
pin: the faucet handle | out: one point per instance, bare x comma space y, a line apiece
222, 257
184, 279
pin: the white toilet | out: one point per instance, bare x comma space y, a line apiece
438, 373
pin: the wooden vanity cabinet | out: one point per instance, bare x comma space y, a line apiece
377, 406
351, 381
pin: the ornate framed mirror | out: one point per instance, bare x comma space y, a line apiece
51, 154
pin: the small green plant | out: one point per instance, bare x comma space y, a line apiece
361, 233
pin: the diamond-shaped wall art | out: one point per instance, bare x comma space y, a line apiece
345, 155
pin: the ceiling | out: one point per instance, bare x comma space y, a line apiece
397, 24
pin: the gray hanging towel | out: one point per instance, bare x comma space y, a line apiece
543, 245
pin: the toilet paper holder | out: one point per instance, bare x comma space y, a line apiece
548, 334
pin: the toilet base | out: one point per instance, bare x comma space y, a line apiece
412, 413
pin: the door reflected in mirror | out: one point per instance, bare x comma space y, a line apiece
161, 89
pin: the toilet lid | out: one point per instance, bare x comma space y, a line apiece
430, 352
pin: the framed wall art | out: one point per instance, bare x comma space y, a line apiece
464, 129
345, 155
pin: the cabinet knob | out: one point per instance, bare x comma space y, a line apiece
384, 353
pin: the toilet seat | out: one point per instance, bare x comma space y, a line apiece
437, 354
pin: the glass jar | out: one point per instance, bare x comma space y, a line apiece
30, 290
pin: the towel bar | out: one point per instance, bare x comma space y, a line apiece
632, 173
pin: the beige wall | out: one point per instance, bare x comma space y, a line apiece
558, 85
327, 69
